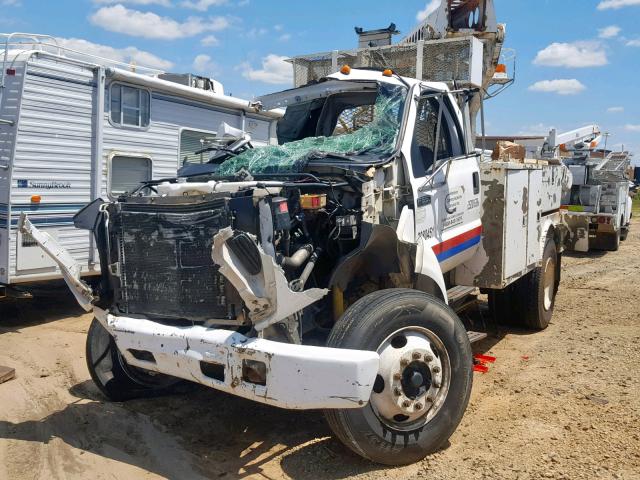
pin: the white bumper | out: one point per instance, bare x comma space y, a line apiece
297, 377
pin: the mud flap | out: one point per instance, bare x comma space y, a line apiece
68, 266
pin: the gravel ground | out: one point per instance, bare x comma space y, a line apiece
564, 403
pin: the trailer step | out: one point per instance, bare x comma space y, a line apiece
475, 337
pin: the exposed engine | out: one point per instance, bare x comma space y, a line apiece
157, 250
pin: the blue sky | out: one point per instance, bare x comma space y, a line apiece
578, 61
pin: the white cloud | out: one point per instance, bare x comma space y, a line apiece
274, 71
615, 109
285, 37
611, 31
163, 3
539, 129
203, 5
210, 41
125, 55
561, 86
633, 43
616, 4
256, 32
149, 25
632, 128
11, 3
431, 7
204, 64
572, 55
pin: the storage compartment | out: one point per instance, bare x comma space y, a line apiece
515, 197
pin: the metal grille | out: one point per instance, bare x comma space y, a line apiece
166, 265
439, 61
401, 59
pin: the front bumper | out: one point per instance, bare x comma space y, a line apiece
297, 377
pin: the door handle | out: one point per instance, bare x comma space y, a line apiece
476, 183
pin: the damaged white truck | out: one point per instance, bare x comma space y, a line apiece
323, 273
315, 275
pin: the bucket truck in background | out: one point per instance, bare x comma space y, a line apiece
597, 210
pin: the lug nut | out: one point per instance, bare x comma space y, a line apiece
436, 369
406, 404
418, 406
404, 363
429, 399
416, 356
428, 358
397, 376
397, 392
436, 384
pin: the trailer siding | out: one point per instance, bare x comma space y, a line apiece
9, 111
53, 151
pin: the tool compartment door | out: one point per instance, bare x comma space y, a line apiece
516, 222
534, 252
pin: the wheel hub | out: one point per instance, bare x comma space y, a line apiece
549, 279
413, 379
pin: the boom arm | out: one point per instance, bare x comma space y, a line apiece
581, 139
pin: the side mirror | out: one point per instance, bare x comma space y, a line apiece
88, 217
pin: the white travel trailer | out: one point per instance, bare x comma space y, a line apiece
75, 127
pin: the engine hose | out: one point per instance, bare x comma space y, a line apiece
297, 259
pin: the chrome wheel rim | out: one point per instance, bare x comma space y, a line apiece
413, 379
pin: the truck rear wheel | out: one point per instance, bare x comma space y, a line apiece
424, 381
536, 292
529, 302
113, 376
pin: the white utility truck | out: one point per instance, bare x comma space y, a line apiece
323, 273
75, 127
597, 209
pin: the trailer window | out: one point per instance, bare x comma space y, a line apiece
433, 122
192, 141
128, 172
130, 106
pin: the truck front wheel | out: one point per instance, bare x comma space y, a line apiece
424, 380
113, 376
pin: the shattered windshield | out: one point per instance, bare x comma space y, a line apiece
360, 125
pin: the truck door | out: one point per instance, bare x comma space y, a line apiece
446, 182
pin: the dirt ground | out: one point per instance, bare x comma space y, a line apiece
564, 403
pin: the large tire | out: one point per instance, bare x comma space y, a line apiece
614, 242
113, 376
536, 292
402, 324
